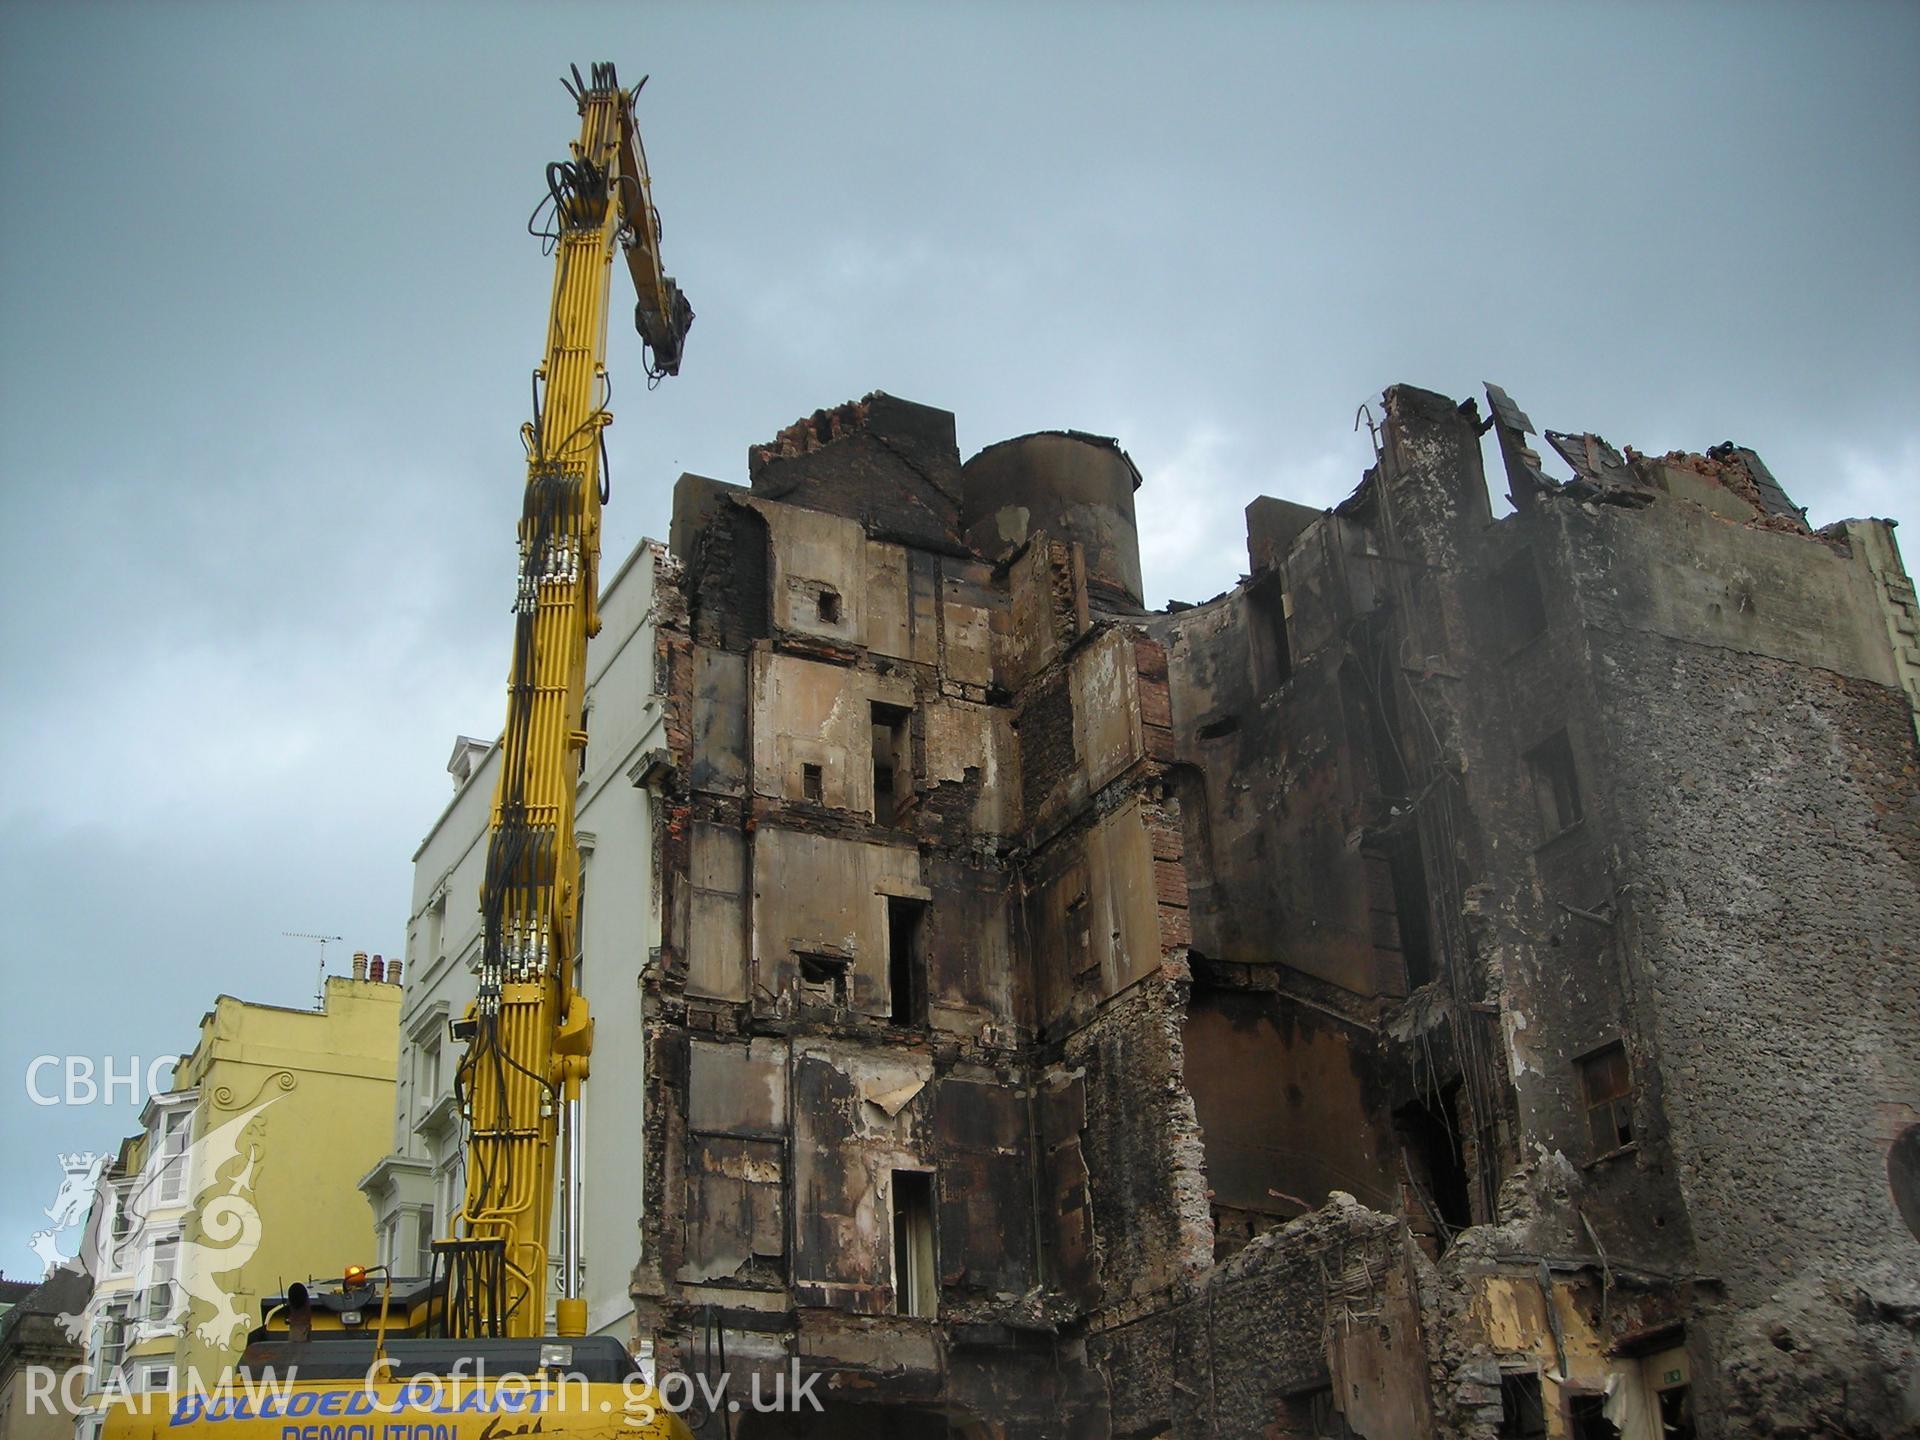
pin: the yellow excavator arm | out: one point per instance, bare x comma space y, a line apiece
528, 1034
439, 1356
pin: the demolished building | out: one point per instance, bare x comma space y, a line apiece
1460, 982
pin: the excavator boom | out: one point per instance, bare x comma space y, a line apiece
528, 1035
464, 1354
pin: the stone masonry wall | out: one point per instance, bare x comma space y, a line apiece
1773, 812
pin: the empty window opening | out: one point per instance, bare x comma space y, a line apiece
1587, 1418
1609, 1094
1410, 907
1523, 1411
823, 980
1221, 728
915, 1283
1676, 1413
1556, 787
1520, 609
1311, 1413
906, 960
1267, 610
812, 784
829, 606
892, 762
1435, 1158
1397, 900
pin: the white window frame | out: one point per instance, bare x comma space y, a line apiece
424, 1234
113, 1337
123, 1229
171, 1145
155, 1280
437, 928
426, 1081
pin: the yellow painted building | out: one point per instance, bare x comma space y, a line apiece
242, 1181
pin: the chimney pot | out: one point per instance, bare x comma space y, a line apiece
359, 964
393, 972
376, 970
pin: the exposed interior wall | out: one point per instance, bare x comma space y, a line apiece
1308, 1009
1289, 1101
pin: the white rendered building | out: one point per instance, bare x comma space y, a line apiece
416, 1189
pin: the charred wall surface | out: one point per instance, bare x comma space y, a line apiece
1369, 1003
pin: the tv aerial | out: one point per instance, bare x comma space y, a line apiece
320, 986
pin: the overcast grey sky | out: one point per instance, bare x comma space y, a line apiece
269, 308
